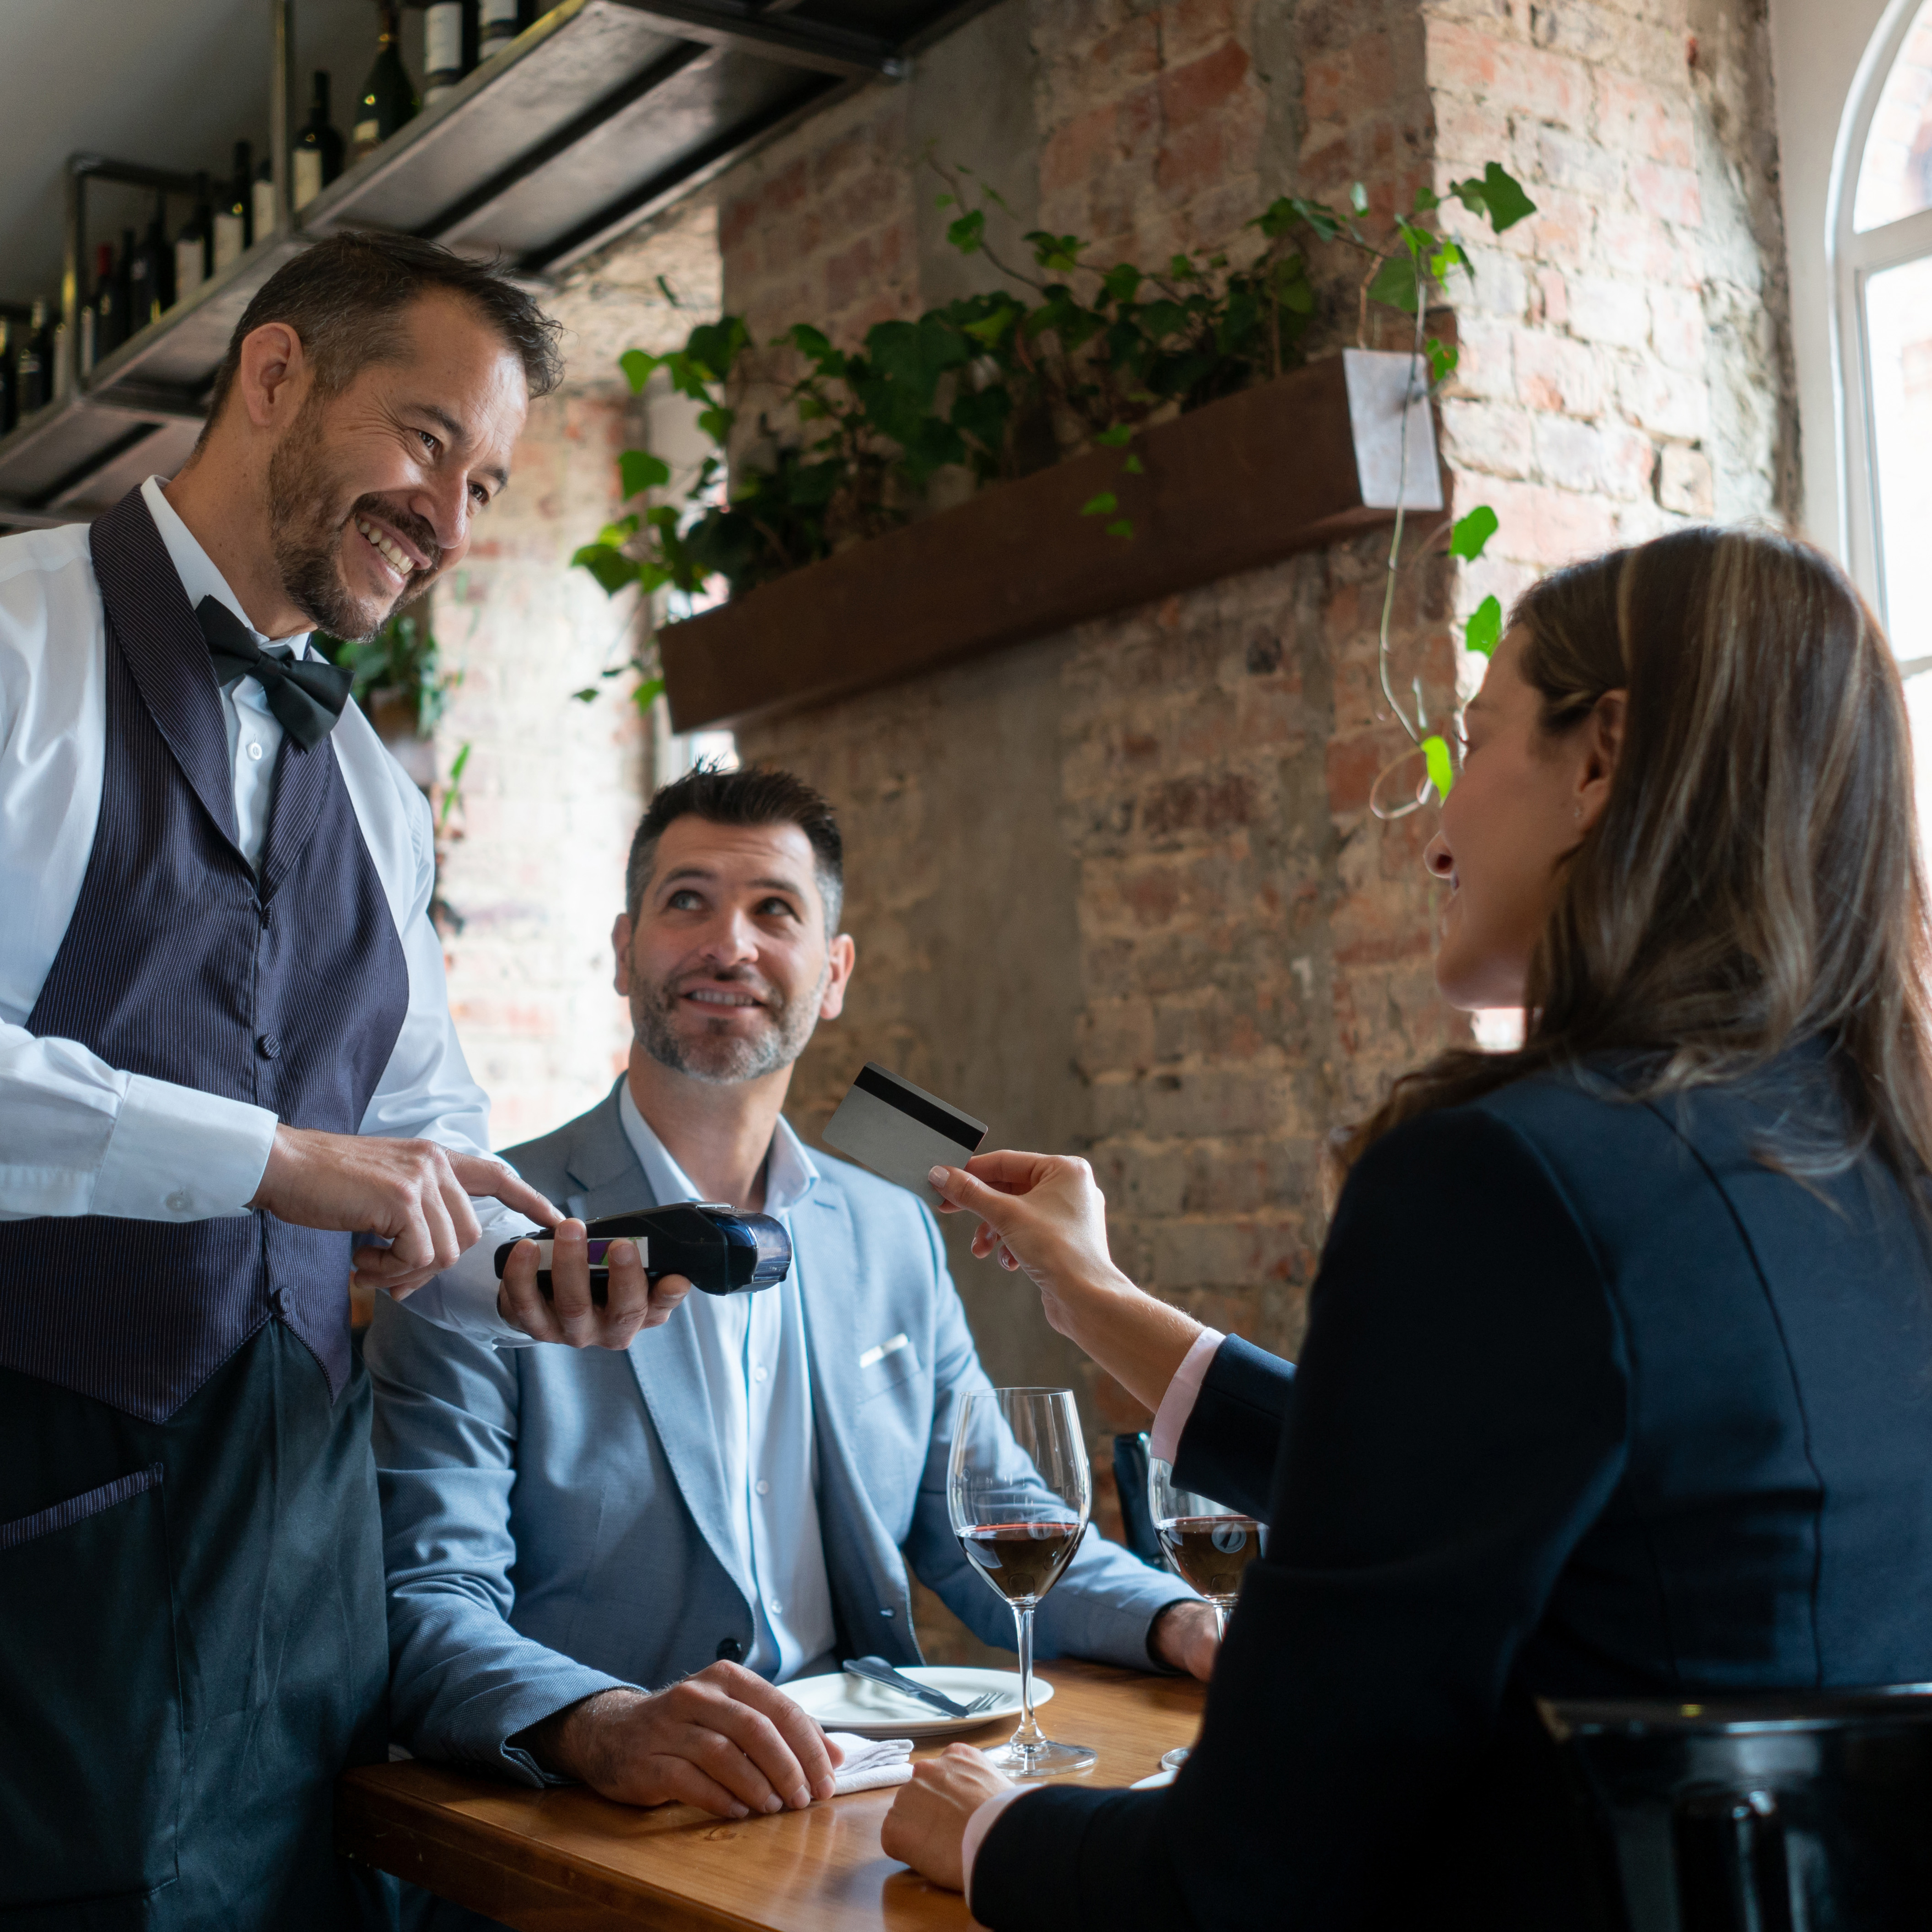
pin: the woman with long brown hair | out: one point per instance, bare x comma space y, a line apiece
1618, 1379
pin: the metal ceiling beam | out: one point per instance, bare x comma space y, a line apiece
506, 180
795, 43
689, 174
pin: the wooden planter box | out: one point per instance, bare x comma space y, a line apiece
1290, 466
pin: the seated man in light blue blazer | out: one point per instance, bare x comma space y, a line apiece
734, 1499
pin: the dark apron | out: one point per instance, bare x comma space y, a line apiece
192, 1645
192, 1634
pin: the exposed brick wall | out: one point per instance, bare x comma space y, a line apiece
551, 789
1624, 365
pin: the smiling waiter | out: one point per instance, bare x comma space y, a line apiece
226, 1047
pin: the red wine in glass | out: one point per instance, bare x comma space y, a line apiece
1206, 1544
1019, 1491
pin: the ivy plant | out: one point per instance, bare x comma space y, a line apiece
1068, 353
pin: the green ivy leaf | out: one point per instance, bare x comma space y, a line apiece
587, 695
1485, 629
1058, 254
1121, 281
1426, 199
990, 331
637, 368
1395, 283
1104, 505
1441, 771
638, 470
716, 423
1121, 529
612, 570
1134, 466
1498, 194
713, 346
1442, 359
968, 234
647, 693
1116, 437
1472, 531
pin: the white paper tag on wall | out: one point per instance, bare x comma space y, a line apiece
901, 1131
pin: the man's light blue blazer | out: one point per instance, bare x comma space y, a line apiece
553, 1518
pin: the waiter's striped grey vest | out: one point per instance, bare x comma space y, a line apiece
288, 990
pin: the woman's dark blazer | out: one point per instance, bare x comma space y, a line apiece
1593, 1402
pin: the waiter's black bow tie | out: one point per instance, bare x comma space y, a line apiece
306, 697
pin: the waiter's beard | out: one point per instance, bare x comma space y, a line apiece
308, 536
719, 1058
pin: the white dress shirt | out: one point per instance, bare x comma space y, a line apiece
79, 1137
758, 1375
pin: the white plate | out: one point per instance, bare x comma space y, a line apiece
843, 1703
1159, 1781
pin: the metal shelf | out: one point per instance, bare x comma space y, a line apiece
593, 119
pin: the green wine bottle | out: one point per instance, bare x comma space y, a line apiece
389, 99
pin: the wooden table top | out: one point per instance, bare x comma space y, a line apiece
568, 1860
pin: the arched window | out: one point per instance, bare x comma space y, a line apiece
1880, 239
1881, 224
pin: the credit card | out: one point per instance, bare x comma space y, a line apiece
901, 1131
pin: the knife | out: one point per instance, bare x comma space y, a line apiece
877, 1670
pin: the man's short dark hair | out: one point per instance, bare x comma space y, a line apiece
755, 795
343, 296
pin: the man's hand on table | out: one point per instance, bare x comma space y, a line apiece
926, 1827
632, 1302
415, 1192
1183, 1638
724, 1740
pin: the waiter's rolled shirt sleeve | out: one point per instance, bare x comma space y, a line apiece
79, 1137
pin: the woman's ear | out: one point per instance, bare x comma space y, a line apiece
1603, 744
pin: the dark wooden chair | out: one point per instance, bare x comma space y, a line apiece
1797, 1812
1130, 1478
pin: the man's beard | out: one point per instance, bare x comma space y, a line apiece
721, 1059
308, 538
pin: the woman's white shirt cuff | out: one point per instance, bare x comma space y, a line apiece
1176, 1406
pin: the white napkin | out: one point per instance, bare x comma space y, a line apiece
871, 1762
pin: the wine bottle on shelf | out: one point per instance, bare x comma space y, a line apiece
158, 290
263, 213
449, 46
235, 222
8, 410
317, 157
110, 298
194, 246
33, 364
131, 315
84, 355
388, 99
503, 21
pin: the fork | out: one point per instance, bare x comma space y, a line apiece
879, 1671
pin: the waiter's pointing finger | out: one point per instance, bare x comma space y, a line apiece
482, 1176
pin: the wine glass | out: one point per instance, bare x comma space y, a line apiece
1019, 1492
1206, 1543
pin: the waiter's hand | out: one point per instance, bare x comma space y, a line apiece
570, 1316
414, 1191
724, 1740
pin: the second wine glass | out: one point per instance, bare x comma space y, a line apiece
1019, 1491
1206, 1544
